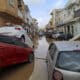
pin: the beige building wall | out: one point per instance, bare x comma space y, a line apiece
9, 6
10, 11
2, 21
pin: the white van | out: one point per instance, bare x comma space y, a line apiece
17, 31
63, 60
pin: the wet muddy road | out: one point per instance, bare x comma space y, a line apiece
40, 67
18, 72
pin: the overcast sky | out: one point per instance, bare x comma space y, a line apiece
40, 9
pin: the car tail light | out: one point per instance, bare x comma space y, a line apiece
57, 75
18, 28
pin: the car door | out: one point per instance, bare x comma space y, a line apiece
10, 52
21, 51
10, 56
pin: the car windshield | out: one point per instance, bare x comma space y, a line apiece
69, 61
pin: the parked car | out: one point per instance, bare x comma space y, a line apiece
58, 35
48, 33
41, 34
17, 31
63, 60
13, 51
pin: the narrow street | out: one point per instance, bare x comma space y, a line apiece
39, 39
40, 68
34, 71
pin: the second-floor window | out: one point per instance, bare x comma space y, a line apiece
12, 3
19, 3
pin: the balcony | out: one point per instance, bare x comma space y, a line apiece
77, 13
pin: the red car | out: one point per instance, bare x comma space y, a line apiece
12, 51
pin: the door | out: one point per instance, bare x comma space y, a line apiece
21, 51
9, 52
8, 55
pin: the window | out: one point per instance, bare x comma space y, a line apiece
12, 3
19, 3
69, 60
19, 43
77, 13
6, 39
13, 41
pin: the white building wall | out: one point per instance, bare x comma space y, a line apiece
28, 16
70, 2
76, 28
67, 14
56, 17
62, 16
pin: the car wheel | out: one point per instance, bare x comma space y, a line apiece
31, 58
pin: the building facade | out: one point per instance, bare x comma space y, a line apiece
31, 24
12, 11
55, 17
68, 18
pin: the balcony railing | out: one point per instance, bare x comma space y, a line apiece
77, 13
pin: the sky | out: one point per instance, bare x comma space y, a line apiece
41, 9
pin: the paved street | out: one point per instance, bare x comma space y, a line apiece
40, 68
42, 48
25, 71
18, 72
